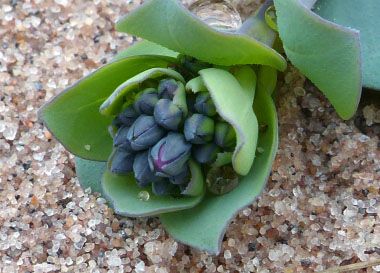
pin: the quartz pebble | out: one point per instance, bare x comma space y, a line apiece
319, 209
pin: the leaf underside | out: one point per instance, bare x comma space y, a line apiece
328, 54
364, 16
73, 115
168, 23
203, 226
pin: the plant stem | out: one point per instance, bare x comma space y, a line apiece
256, 27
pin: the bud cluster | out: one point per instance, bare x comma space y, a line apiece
157, 134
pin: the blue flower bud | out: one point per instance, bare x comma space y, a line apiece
120, 136
225, 135
167, 114
169, 156
206, 153
163, 187
128, 116
144, 133
145, 101
121, 162
181, 179
143, 175
204, 104
199, 129
167, 88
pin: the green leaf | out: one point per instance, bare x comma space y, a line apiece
90, 174
233, 98
73, 115
168, 23
125, 91
267, 78
203, 227
123, 193
196, 184
328, 54
364, 16
147, 48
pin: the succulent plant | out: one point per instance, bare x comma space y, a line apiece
170, 127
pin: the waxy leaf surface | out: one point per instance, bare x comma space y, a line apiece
328, 54
114, 103
73, 115
90, 174
123, 193
363, 16
147, 48
168, 23
233, 98
203, 226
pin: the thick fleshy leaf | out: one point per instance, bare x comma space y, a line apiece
328, 54
236, 110
363, 16
123, 193
196, 185
73, 115
267, 78
167, 22
147, 48
125, 91
90, 174
203, 227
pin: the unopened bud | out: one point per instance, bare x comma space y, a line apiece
167, 114
145, 101
199, 129
143, 175
204, 104
168, 157
144, 133
225, 135
122, 162
206, 153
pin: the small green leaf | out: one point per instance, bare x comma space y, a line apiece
203, 227
328, 54
236, 110
123, 192
114, 103
267, 78
196, 184
147, 48
168, 23
90, 174
363, 16
73, 115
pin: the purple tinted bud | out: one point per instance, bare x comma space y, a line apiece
169, 156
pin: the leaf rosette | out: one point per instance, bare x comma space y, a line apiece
172, 125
